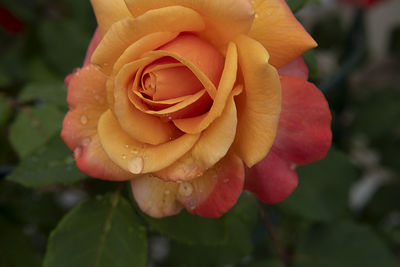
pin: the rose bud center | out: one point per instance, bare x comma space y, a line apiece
167, 78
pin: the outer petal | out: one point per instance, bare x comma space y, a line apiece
224, 19
108, 12
92, 46
210, 195
276, 28
135, 156
86, 97
212, 146
303, 136
216, 191
272, 179
127, 31
304, 132
260, 104
156, 197
297, 68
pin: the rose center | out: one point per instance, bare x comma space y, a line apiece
167, 78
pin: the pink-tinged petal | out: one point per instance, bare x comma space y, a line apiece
296, 67
217, 190
86, 97
304, 132
92, 46
273, 179
156, 197
210, 195
277, 29
108, 12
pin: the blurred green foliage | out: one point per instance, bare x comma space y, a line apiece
41, 220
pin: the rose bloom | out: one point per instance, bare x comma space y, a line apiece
195, 101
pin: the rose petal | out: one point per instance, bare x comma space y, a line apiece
147, 43
201, 76
86, 97
108, 12
138, 125
127, 31
273, 179
224, 19
228, 79
192, 105
216, 191
210, 195
156, 197
208, 59
259, 105
304, 134
277, 29
296, 67
92, 46
213, 145
137, 157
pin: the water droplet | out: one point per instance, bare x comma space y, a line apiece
256, 15
185, 189
77, 152
135, 165
167, 192
134, 151
123, 156
86, 141
84, 119
126, 145
293, 166
192, 205
225, 180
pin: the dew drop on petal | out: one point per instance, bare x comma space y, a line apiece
84, 119
167, 192
77, 152
123, 156
135, 165
225, 180
86, 141
134, 151
192, 205
185, 189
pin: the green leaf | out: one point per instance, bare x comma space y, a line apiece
296, 5
5, 110
33, 127
265, 263
379, 115
52, 163
343, 244
15, 248
50, 93
322, 194
237, 246
102, 232
310, 58
190, 229
54, 34
238, 225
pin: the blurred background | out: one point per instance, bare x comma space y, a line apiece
345, 212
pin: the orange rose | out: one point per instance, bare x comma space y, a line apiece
175, 95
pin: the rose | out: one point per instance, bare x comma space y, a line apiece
176, 95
